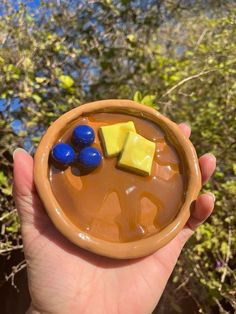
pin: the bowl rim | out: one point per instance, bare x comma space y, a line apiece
134, 249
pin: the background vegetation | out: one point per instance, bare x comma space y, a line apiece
177, 56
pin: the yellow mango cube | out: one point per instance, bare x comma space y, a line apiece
114, 136
137, 155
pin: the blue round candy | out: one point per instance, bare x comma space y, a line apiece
83, 135
63, 153
90, 157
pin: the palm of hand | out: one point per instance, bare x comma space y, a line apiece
66, 279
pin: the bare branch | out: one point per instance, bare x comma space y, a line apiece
184, 283
222, 310
13, 248
200, 38
185, 81
7, 214
226, 258
15, 270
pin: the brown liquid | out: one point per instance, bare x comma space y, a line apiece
116, 205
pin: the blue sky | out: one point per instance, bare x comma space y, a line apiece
30, 3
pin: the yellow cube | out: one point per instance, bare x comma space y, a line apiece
114, 136
138, 154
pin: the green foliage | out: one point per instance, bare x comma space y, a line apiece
4, 184
66, 81
183, 65
148, 100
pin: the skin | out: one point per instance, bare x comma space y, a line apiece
64, 279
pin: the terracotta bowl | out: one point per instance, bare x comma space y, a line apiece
85, 240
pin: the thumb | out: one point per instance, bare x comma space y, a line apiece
23, 186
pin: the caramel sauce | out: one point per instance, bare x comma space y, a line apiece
116, 205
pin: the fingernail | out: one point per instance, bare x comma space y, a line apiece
211, 195
19, 149
211, 156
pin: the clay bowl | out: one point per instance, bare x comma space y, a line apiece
69, 226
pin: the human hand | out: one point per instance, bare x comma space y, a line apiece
64, 279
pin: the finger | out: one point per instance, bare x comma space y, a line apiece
207, 164
203, 207
202, 210
186, 129
23, 185
23, 172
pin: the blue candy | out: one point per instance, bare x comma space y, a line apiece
83, 135
63, 153
90, 157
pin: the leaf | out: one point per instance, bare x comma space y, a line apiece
149, 100
66, 81
230, 186
27, 63
234, 168
29, 18
138, 97
175, 279
3, 179
12, 69
37, 98
40, 79
36, 139
7, 191
224, 248
5, 187
131, 38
